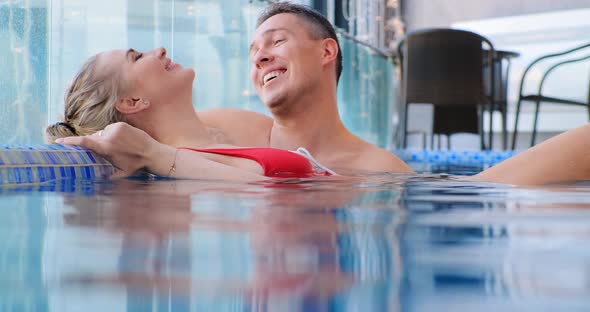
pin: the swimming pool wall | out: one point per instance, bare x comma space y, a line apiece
41, 164
32, 165
43, 43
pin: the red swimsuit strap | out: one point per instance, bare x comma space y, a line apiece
275, 162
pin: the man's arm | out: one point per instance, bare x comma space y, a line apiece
241, 127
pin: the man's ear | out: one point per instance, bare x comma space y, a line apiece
330, 51
131, 105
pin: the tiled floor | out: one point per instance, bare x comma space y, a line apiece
465, 141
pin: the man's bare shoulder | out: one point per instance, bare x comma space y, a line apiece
241, 127
366, 157
373, 158
228, 116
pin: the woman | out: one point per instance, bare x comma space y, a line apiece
142, 101
135, 108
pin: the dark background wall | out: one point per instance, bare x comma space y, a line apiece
442, 13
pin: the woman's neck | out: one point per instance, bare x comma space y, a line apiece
189, 132
179, 129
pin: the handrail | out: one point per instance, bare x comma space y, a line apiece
544, 58
557, 65
540, 91
383, 53
522, 80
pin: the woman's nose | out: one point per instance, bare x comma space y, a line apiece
161, 52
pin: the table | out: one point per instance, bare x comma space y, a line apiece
501, 66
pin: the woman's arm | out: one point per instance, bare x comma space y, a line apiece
130, 149
563, 158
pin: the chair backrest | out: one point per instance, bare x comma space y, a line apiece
443, 67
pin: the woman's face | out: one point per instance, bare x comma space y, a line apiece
150, 75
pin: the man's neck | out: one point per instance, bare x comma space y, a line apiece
317, 127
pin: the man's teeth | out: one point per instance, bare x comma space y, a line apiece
271, 75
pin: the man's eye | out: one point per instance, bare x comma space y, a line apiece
279, 41
138, 56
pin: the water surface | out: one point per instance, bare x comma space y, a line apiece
384, 243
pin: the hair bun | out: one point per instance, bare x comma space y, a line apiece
67, 126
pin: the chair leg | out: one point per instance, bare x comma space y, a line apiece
482, 144
515, 131
405, 127
431, 141
534, 135
504, 126
448, 142
491, 133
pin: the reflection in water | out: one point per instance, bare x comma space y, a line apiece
378, 244
259, 247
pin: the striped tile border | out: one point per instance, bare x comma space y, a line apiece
43, 163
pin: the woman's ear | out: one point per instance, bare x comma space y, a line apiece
131, 105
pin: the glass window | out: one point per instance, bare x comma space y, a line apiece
44, 43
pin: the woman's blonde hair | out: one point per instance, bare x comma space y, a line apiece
89, 103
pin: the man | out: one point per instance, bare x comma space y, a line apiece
296, 64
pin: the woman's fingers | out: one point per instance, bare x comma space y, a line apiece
121, 144
87, 142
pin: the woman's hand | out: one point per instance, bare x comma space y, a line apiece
126, 147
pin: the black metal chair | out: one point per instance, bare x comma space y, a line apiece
565, 57
444, 67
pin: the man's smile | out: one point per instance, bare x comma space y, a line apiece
272, 74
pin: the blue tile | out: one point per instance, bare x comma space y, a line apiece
41, 174
29, 178
17, 178
89, 154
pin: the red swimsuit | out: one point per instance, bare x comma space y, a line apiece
275, 162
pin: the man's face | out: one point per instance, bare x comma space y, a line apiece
286, 61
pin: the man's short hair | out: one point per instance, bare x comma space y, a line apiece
319, 26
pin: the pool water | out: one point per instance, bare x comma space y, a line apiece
382, 243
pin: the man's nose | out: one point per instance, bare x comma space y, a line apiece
262, 57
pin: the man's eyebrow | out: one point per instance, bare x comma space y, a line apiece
266, 32
129, 53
